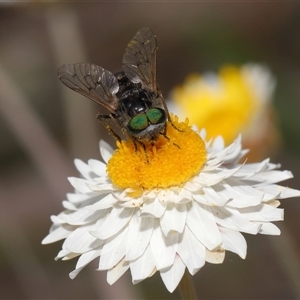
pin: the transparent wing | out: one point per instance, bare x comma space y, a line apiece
139, 60
92, 81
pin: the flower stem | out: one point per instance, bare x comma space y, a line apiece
186, 287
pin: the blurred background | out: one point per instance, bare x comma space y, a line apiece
44, 126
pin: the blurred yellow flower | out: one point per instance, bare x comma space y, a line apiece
236, 100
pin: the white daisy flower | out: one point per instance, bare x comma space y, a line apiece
175, 205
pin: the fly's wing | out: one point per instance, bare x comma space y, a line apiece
139, 60
91, 81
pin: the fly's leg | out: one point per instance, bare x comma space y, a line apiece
103, 119
164, 134
168, 115
170, 120
175, 126
137, 141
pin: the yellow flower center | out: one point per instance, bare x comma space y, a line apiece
169, 162
224, 109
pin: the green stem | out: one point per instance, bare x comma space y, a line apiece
186, 287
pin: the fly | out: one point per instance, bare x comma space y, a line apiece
131, 96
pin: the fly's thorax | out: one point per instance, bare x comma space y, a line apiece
135, 101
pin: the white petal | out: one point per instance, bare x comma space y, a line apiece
228, 155
260, 81
241, 196
106, 150
140, 231
116, 220
173, 219
212, 178
202, 133
191, 251
87, 257
83, 168
269, 228
100, 188
216, 256
163, 248
80, 185
113, 250
62, 253
134, 202
234, 151
183, 196
80, 240
102, 180
192, 186
232, 219
270, 192
286, 192
213, 162
58, 234
84, 259
82, 216
248, 170
172, 275
218, 143
274, 203
98, 167
151, 194
70, 255
68, 205
153, 208
234, 242
106, 202
117, 271
57, 220
142, 267
271, 177
74, 273
202, 223
209, 196
263, 213
77, 198
123, 195
165, 196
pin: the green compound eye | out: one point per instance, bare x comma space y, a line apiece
155, 115
139, 122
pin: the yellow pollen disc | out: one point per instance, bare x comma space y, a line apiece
225, 108
169, 162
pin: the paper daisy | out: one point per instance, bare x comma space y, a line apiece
167, 208
235, 100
